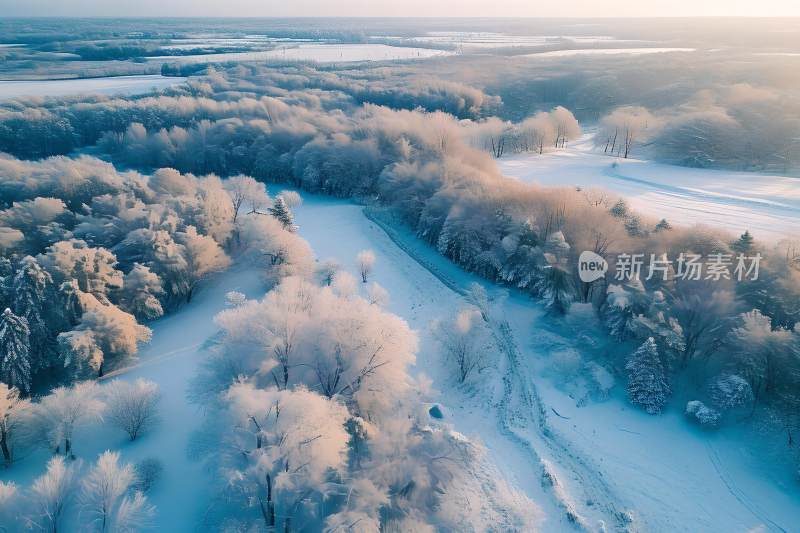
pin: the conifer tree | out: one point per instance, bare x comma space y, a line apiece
647, 383
15, 362
744, 244
281, 211
31, 289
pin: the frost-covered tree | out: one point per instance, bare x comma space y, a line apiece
247, 195
10, 505
294, 440
213, 211
15, 360
158, 250
132, 407
51, 494
281, 252
759, 351
106, 498
647, 384
105, 334
365, 261
280, 210
291, 198
204, 257
377, 295
95, 269
140, 291
464, 340
60, 412
14, 413
337, 344
621, 130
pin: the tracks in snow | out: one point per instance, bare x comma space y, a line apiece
523, 419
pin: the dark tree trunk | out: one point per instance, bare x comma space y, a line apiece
4, 446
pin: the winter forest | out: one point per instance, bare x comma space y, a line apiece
328, 275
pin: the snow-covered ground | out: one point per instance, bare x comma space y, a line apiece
767, 205
609, 458
109, 85
321, 53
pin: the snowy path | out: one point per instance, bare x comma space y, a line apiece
767, 205
669, 476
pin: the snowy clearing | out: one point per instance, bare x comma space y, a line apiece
766, 205
109, 85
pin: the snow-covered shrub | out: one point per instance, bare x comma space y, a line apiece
148, 473
729, 391
600, 380
235, 299
566, 362
700, 413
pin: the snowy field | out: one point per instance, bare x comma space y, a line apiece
108, 85
669, 476
607, 51
321, 53
503, 40
766, 205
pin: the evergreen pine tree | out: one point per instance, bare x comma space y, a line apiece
663, 225
15, 363
281, 211
32, 287
619, 209
647, 383
744, 244
555, 287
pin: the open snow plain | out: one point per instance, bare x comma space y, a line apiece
109, 85
766, 205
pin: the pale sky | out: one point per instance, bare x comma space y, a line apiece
404, 8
